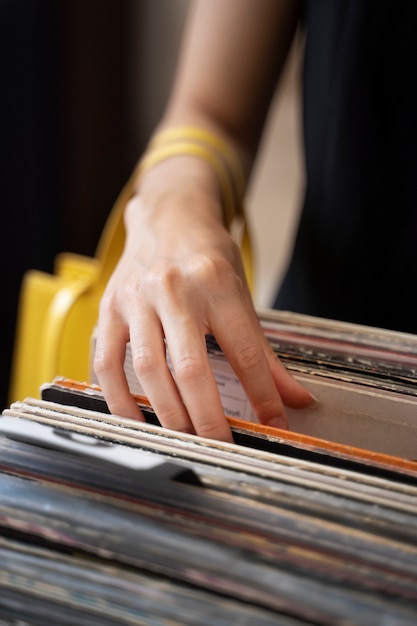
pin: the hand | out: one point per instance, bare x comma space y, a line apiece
180, 278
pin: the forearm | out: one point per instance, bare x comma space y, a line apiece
231, 58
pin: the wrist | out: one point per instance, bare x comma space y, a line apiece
181, 184
212, 150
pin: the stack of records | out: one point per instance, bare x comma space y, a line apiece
365, 380
110, 521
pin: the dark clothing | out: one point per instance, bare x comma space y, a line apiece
355, 256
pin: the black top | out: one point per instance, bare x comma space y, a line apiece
355, 257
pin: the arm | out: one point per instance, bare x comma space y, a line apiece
180, 276
231, 58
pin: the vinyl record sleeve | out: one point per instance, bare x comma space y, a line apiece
114, 519
364, 379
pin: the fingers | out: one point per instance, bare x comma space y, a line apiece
188, 400
190, 403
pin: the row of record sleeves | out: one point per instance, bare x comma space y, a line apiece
105, 520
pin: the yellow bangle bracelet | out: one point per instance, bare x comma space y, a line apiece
211, 140
158, 154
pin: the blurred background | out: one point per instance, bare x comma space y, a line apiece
83, 83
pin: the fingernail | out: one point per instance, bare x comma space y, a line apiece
278, 422
314, 400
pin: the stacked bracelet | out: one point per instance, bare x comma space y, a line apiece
220, 149
161, 152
